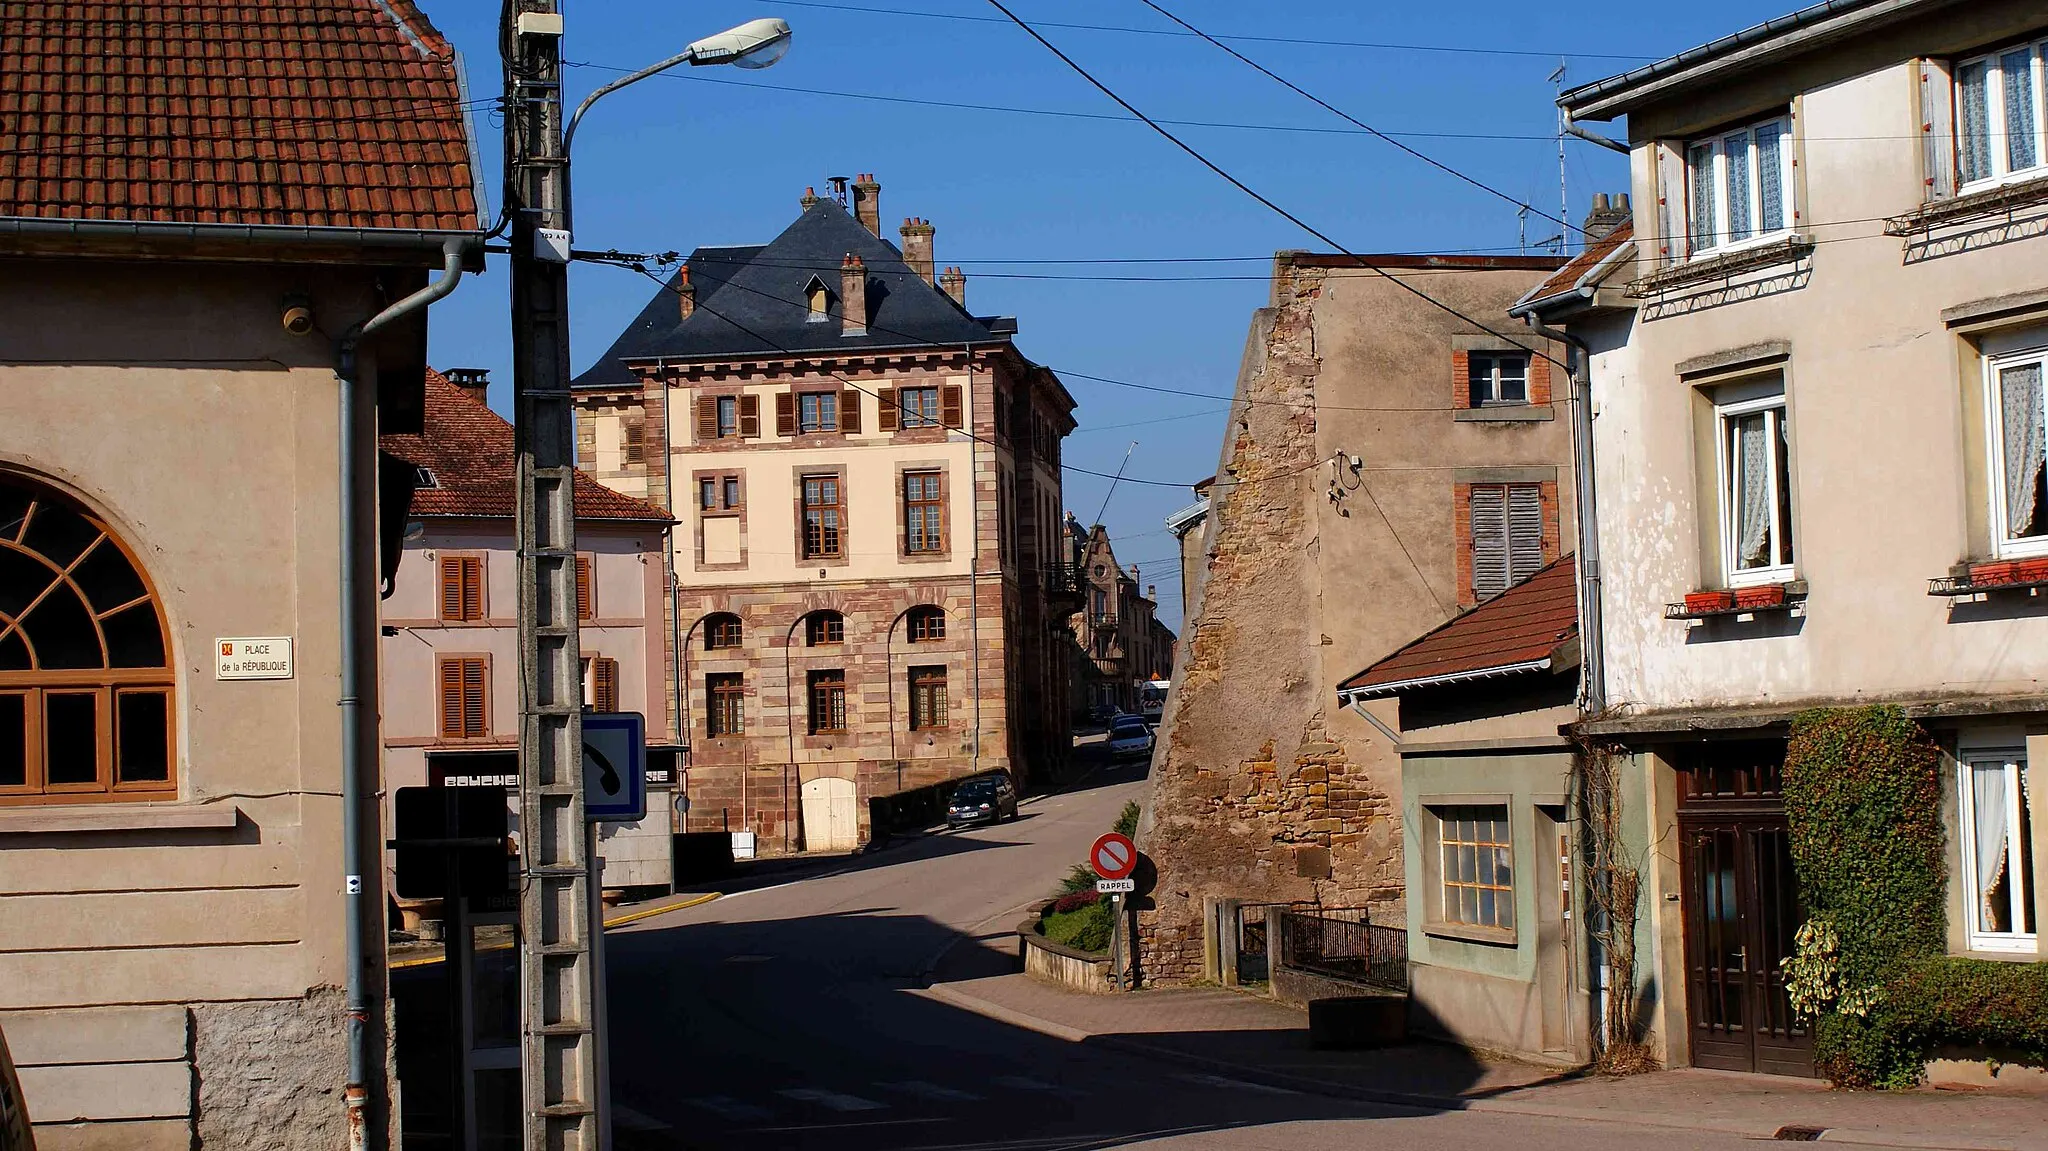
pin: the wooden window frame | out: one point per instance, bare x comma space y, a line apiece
820, 627
460, 732
459, 564
929, 505
908, 419
711, 425
826, 687
585, 577
715, 634
819, 398
918, 621
1447, 882
805, 554
723, 483
903, 471
106, 685
604, 683
1485, 390
725, 691
930, 708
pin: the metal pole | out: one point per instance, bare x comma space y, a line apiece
558, 972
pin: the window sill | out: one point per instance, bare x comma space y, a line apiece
118, 816
1967, 206
1504, 414
1784, 250
1471, 933
2015, 575
1751, 600
2009, 949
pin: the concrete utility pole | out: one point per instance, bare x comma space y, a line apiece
557, 966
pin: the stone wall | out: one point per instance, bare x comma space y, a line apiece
270, 1073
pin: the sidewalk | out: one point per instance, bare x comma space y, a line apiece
1257, 1040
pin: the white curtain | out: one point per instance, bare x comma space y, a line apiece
2020, 413
1752, 477
1987, 798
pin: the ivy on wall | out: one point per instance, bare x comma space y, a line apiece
1863, 800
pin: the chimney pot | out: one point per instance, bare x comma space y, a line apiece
917, 247
686, 293
954, 282
472, 382
1607, 214
867, 203
853, 296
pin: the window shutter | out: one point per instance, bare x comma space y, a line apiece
604, 674
707, 419
785, 413
473, 698
451, 587
886, 412
849, 411
1671, 201
584, 608
451, 699
472, 588
1489, 541
1525, 531
750, 416
1937, 129
951, 411
635, 442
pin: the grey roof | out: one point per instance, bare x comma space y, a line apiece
751, 301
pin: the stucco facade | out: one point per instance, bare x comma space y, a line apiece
1338, 530
1870, 306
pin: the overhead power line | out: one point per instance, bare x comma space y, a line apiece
1381, 46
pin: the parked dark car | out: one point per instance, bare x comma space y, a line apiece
982, 799
1129, 738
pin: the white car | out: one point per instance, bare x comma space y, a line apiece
1129, 738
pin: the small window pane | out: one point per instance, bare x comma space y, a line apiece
1770, 177
732, 491
2021, 149
2024, 446
59, 533
14, 654
108, 579
707, 494
13, 740
144, 738
72, 737
1700, 159
63, 633
1973, 99
1736, 150
21, 581
728, 415
135, 638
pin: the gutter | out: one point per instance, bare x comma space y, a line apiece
1592, 636
354, 788
414, 239
1382, 690
1583, 290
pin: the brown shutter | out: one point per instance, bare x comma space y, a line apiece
849, 411
750, 416
636, 434
951, 412
451, 587
785, 413
886, 420
604, 675
451, 699
473, 588
462, 588
707, 419
473, 698
583, 596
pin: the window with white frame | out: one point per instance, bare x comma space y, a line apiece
1477, 877
1739, 186
1998, 115
1498, 378
1755, 489
1998, 856
2018, 420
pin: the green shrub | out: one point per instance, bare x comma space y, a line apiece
1085, 928
1863, 800
1079, 877
1127, 819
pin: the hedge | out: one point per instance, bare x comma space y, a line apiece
1863, 801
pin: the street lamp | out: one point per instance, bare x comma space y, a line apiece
753, 45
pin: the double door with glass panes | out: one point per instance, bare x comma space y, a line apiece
1741, 908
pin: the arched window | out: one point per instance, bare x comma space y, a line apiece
925, 624
723, 630
823, 627
85, 677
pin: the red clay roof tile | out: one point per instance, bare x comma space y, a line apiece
275, 113
1525, 623
1598, 250
468, 448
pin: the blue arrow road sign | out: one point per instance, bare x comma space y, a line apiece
614, 766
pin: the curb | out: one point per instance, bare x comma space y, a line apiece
633, 916
1434, 1103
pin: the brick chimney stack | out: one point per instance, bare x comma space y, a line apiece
686, 292
867, 203
954, 281
474, 382
917, 247
853, 296
1607, 215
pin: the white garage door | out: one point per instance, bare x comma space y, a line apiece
831, 820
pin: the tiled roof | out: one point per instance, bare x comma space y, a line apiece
468, 448
314, 113
1564, 278
1528, 622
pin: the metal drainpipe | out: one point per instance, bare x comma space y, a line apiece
356, 1092
974, 555
1592, 653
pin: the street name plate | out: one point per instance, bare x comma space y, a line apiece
266, 657
1114, 886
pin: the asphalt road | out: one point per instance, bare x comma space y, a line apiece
787, 1017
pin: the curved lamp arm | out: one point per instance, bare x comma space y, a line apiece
755, 44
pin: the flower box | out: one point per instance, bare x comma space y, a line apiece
2031, 571
1993, 574
1702, 602
1769, 595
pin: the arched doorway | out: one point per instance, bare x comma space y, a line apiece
831, 818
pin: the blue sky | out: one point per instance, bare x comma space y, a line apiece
706, 156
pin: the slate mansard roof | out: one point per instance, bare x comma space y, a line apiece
751, 301
310, 114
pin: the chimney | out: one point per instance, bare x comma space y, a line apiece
867, 203
810, 197
917, 247
1134, 573
1607, 215
853, 296
686, 292
474, 382
954, 281
1152, 592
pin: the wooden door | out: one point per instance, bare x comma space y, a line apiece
831, 818
1741, 913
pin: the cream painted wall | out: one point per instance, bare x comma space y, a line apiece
1881, 400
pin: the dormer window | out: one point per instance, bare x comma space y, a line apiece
819, 300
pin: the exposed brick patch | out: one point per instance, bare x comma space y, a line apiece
1461, 380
